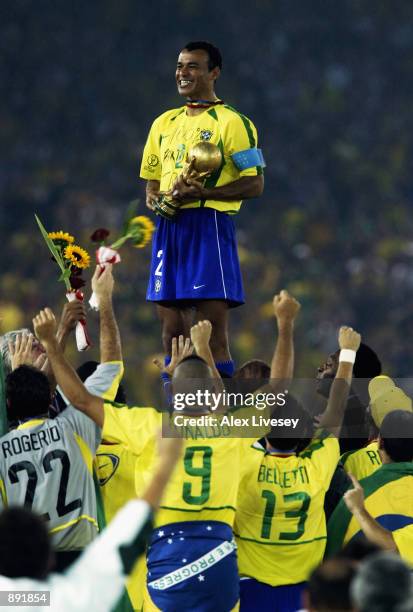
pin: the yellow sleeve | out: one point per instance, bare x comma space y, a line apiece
240, 134
111, 391
324, 454
130, 426
151, 166
404, 542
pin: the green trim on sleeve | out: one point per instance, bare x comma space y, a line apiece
247, 125
341, 517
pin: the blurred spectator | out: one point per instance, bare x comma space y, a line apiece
383, 583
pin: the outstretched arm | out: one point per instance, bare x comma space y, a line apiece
374, 532
44, 325
349, 342
286, 309
110, 343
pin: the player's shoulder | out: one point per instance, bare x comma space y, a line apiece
232, 114
169, 115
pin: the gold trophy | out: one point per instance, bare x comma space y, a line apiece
202, 160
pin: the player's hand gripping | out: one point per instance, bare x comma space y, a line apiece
44, 325
348, 338
181, 348
286, 307
72, 313
354, 498
103, 283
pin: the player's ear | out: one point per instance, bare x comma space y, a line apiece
214, 73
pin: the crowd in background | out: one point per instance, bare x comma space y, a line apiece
329, 89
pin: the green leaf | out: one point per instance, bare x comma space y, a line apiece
65, 274
130, 213
55, 252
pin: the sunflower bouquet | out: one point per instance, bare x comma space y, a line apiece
72, 260
137, 229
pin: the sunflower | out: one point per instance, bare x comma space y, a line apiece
142, 229
78, 256
61, 239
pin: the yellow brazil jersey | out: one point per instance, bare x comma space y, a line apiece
280, 524
123, 459
362, 462
204, 485
174, 133
388, 494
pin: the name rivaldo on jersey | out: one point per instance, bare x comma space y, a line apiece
30, 442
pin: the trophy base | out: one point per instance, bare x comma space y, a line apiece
166, 208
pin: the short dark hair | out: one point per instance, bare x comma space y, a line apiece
25, 550
329, 585
286, 438
367, 364
27, 393
214, 54
396, 433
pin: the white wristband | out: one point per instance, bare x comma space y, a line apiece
347, 355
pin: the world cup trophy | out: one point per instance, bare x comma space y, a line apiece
203, 159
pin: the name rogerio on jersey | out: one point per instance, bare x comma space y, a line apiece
34, 441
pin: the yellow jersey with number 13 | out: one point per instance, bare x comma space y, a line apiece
174, 133
280, 524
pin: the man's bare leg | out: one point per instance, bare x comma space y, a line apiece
216, 311
174, 321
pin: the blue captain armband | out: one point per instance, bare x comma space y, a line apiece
250, 158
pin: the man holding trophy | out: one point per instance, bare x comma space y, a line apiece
200, 161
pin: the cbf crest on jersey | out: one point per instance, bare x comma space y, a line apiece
206, 134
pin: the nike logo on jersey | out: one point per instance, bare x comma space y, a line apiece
106, 469
198, 286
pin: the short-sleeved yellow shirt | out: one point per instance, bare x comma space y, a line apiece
174, 133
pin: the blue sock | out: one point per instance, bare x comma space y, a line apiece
225, 367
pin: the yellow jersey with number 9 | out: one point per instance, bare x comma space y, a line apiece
280, 524
174, 133
204, 484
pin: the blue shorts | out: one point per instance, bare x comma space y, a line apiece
256, 595
193, 566
195, 258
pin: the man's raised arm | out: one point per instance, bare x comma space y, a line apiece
110, 344
286, 309
44, 325
349, 342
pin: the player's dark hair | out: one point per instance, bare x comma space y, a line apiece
286, 438
367, 364
214, 54
329, 586
192, 367
358, 549
27, 393
25, 550
396, 433
88, 368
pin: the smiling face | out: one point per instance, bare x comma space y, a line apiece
193, 77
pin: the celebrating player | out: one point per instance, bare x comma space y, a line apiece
280, 523
194, 258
